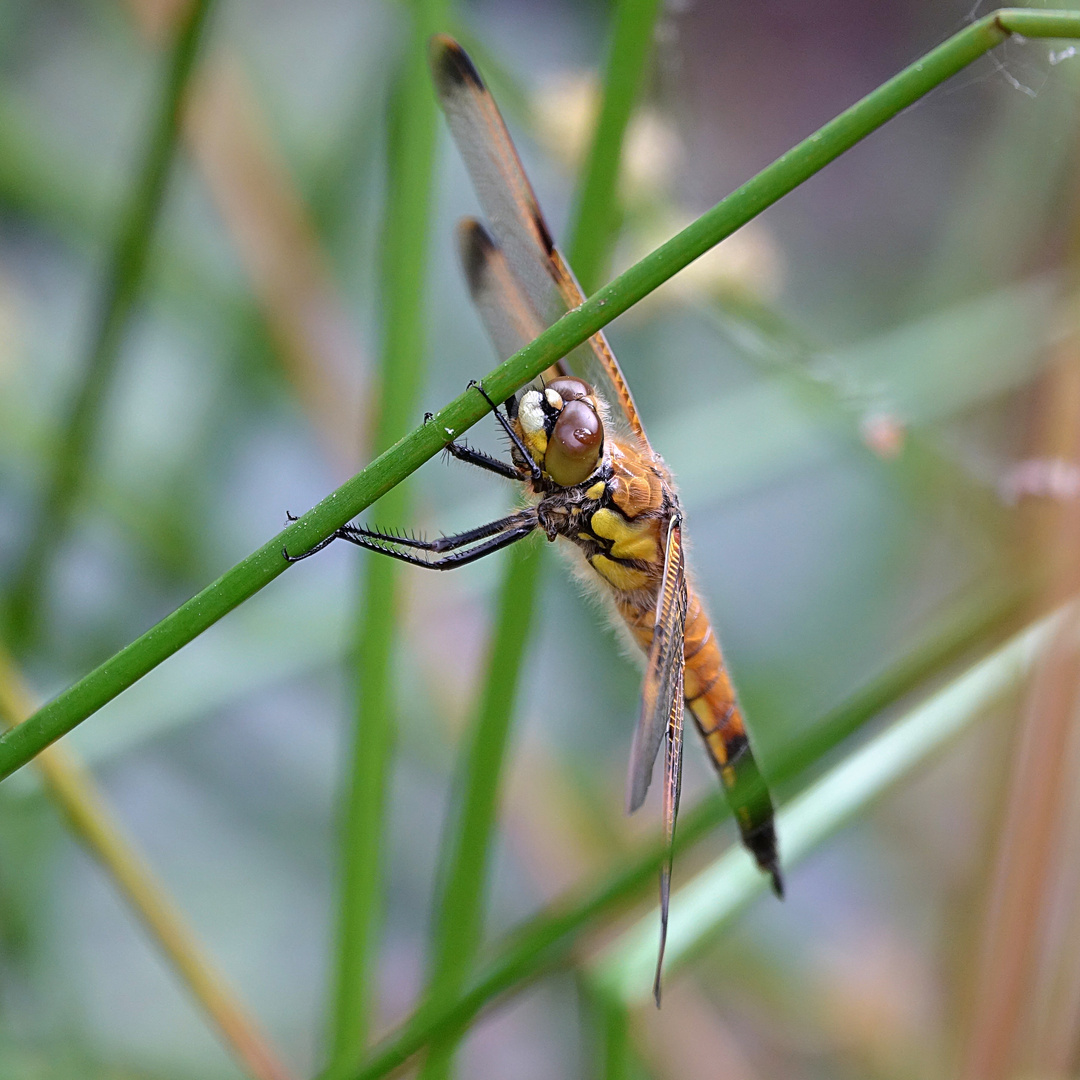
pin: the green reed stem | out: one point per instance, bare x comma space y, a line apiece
615, 1051
72, 789
122, 287
79, 701
458, 925
545, 941
702, 907
407, 228
597, 215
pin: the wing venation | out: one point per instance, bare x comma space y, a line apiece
517, 224
664, 668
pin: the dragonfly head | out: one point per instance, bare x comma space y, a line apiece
562, 430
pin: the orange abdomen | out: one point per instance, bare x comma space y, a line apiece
711, 699
638, 489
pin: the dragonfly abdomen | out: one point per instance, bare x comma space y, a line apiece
711, 699
622, 539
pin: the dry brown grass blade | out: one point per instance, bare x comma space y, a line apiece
276, 240
1029, 953
75, 793
270, 227
1015, 924
1053, 1036
1056, 1029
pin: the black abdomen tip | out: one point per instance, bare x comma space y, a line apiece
761, 842
777, 881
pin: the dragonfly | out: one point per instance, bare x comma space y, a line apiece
591, 479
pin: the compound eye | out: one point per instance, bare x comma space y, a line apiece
575, 444
569, 388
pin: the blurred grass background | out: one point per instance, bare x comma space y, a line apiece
844, 391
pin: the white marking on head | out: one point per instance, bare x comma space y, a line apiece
553, 398
531, 412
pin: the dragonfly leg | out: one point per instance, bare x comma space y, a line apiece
383, 545
534, 469
497, 534
442, 543
485, 461
311, 551
290, 518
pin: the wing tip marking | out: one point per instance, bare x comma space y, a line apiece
451, 65
542, 229
476, 248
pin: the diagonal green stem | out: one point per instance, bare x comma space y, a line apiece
122, 287
412, 136
79, 701
91, 819
703, 906
546, 940
459, 925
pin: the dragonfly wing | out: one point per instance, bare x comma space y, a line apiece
595, 358
508, 315
672, 789
518, 225
664, 672
504, 191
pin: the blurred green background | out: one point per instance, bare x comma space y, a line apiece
843, 391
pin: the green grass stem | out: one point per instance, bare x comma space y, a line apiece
613, 1021
458, 927
700, 909
87, 695
92, 821
121, 289
546, 940
598, 213
407, 228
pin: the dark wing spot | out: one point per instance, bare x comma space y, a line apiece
450, 63
542, 231
476, 249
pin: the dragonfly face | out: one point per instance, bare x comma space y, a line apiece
560, 427
591, 478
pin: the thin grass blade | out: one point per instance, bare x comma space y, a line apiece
122, 287
405, 254
703, 907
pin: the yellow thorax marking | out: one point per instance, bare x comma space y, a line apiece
596, 491
536, 443
624, 578
629, 541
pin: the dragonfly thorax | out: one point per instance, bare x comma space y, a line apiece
560, 426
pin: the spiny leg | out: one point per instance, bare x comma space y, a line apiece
442, 543
456, 558
464, 452
534, 469
520, 524
485, 461
325, 542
